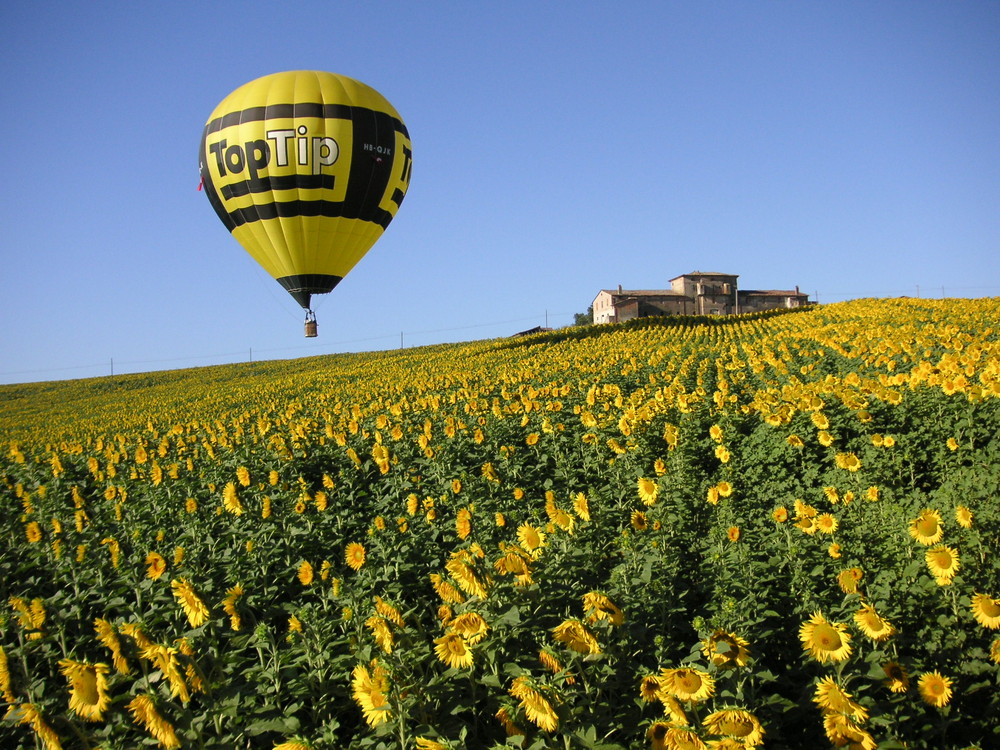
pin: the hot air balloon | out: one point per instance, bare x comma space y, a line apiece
306, 169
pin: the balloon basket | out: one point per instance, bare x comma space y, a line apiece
310, 325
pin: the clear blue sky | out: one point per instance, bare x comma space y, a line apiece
849, 148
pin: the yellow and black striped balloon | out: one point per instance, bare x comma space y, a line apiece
306, 169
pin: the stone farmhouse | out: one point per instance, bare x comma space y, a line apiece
695, 293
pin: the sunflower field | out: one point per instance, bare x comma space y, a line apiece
774, 530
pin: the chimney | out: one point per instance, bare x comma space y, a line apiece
619, 288
796, 288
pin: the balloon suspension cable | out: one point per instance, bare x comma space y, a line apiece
310, 324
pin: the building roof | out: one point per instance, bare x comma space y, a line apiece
706, 273
642, 292
774, 292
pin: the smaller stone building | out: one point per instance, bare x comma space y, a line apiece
695, 293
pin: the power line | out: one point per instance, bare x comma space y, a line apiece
916, 290
251, 351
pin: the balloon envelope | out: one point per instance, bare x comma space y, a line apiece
306, 169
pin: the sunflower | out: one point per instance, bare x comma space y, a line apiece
193, 606
423, 743
849, 579
995, 651
453, 650
780, 514
243, 476
144, 712
683, 739
806, 525
834, 551
832, 698
464, 574
600, 607
736, 723
107, 636
88, 683
649, 688
380, 632
28, 713
389, 612
6, 689
535, 706
825, 641
963, 517
531, 538
445, 590
463, 523
725, 489
471, 626
231, 500
305, 573
504, 717
896, 677
368, 690
726, 743
843, 732
576, 637
795, 441
943, 562
725, 650
825, 438
687, 684
657, 735
33, 532
648, 490
804, 509
935, 689
826, 523
872, 625
580, 506
639, 520
986, 610
354, 554
848, 461
229, 605
733, 533
164, 658
552, 663
563, 520
926, 527
156, 566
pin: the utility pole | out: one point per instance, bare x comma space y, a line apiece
112, 367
